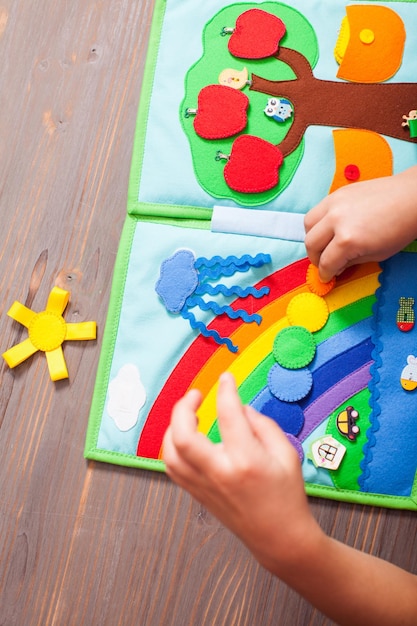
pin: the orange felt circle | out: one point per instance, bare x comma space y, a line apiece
315, 284
308, 310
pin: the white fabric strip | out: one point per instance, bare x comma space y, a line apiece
273, 224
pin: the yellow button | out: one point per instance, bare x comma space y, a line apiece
367, 36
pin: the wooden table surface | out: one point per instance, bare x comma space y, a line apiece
89, 543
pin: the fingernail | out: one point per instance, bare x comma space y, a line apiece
227, 377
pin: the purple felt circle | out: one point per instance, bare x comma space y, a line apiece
289, 385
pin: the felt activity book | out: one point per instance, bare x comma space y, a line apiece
250, 114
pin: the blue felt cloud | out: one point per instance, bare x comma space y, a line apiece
178, 279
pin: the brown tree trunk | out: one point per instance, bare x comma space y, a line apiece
378, 107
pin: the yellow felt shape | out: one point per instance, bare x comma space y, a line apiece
47, 332
56, 364
360, 155
372, 44
308, 310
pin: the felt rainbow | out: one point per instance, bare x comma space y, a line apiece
348, 329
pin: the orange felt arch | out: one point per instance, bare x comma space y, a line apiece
364, 150
375, 46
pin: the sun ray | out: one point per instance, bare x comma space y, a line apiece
19, 353
57, 301
20, 313
47, 332
81, 331
56, 364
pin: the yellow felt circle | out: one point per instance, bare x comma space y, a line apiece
367, 36
308, 310
47, 331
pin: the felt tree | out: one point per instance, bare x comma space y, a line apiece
372, 106
273, 50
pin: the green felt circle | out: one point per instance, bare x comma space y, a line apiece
294, 347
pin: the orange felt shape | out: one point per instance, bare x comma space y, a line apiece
360, 155
315, 284
375, 47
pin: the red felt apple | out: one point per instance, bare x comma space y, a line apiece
221, 112
253, 165
256, 35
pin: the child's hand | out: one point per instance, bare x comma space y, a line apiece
366, 221
251, 481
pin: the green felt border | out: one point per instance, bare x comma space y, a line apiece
360, 497
172, 212
91, 451
144, 105
158, 212
107, 349
109, 341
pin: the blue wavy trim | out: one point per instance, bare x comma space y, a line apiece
219, 266
242, 292
218, 310
256, 261
202, 328
373, 383
207, 273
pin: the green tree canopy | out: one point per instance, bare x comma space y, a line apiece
216, 57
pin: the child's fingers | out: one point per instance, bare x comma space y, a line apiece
315, 215
334, 259
316, 241
233, 424
176, 468
184, 442
179, 470
272, 437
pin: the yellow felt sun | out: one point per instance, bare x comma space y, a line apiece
47, 332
